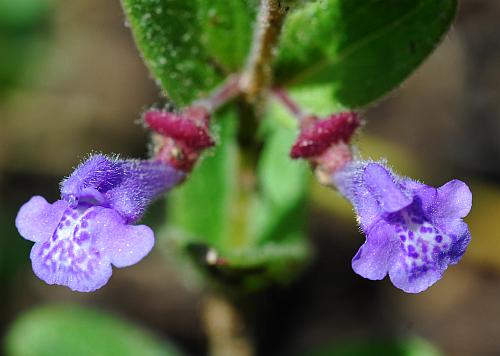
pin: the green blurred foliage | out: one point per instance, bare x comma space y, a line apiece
23, 14
24, 30
58, 330
405, 347
257, 232
204, 204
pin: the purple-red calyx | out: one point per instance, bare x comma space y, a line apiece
189, 127
79, 237
317, 135
182, 137
325, 143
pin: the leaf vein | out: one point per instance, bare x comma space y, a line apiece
332, 60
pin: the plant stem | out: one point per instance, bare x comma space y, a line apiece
227, 91
226, 328
290, 104
228, 331
257, 75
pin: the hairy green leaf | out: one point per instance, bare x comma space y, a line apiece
189, 46
226, 28
360, 48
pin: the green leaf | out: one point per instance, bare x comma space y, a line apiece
280, 210
226, 30
360, 48
189, 46
404, 347
276, 247
202, 206
57, 330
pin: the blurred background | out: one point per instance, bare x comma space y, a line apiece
72, 82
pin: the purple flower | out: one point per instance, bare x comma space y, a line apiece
413, 231
79, 237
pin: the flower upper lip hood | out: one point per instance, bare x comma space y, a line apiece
126, 186
79, 237
413, 231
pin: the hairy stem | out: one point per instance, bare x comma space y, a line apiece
226, 330
227, 91
258, 73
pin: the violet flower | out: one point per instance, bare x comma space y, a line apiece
413, 231
79, 237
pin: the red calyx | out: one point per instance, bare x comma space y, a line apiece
318, 135
176, 154
190, 127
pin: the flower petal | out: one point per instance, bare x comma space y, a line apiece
424, 254
425, 277
349, 182
426, 194
72, 257
98, 172
380, 183
374, 258
52, 272
125, 245
37, 219
460, 234
454, 200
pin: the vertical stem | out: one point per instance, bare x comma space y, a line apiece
226, 330
258, 74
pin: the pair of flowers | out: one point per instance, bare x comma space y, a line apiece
413, 231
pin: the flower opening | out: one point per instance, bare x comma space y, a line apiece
413, 231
